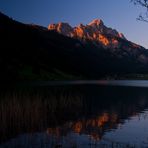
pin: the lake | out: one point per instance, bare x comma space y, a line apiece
74, 114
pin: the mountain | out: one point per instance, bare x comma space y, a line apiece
102, 36
95, 31
94, 51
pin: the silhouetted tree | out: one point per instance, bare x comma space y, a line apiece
143, 3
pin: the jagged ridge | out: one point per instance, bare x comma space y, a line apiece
95, 31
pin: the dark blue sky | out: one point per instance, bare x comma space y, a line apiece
117, 14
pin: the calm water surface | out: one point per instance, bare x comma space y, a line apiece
79, 114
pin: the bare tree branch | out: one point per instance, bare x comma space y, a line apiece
143, 3
141, 18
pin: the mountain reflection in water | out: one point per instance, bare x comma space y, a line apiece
72, 116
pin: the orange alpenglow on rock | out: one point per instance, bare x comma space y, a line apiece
95, 31
103, 40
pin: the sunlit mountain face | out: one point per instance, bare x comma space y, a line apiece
95, 31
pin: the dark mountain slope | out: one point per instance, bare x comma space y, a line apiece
30, 52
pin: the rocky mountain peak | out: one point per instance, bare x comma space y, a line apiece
63, 28
121, 35
95, 31
96, 22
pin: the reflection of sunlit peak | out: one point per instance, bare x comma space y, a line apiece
114, 117
103, 119
96, 136
53, 131
77, 127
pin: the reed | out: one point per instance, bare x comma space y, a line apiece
28, 111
